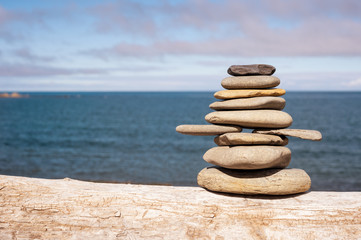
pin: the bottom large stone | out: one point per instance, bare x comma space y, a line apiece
252, 182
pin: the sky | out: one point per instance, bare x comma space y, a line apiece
89, 45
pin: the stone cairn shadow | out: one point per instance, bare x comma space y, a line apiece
251, 163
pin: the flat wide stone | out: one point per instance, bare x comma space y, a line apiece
207, 130
276, 103
249, 157
231, 139
245, 93
245, 82
267, 181
253, 69
300, 133
251, 118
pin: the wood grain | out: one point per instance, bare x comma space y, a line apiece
33, 208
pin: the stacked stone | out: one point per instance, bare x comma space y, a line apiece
251, 163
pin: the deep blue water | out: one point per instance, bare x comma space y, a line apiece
131, 137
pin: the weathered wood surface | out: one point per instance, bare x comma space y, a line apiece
33, 208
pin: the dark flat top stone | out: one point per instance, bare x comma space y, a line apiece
254, 69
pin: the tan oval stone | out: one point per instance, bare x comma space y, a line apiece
277, 103
207, 130
251, 118
300, 133
229, 94
246, 82
266, 181
229, 139
249, 157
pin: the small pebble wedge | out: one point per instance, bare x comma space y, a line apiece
253, 69
232, 139
249, 157
207, 130
299, 133
246, 82
265, 182
251, 118
245, 93
276, 103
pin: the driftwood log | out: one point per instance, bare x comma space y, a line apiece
33, 208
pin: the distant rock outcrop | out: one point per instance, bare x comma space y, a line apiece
13, 95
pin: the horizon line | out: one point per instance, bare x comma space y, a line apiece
156, 91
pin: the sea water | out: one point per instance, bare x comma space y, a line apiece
131, 137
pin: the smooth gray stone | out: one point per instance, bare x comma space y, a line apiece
232, 139
253, 69
250, 82
266, 181
251, 118
276, 103
300, 133
207, 130
249, 157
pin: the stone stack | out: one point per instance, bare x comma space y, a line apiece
251, 163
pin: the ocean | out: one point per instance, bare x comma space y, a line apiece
130, 137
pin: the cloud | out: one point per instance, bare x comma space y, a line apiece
5, 18
227, 28
163, 19
354, 83
25, 54
35, 16
30, 70
232, 28
307, 40
203, 15
310, 8
43, 70
130, 17
16, 24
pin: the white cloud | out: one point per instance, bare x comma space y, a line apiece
354, 83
